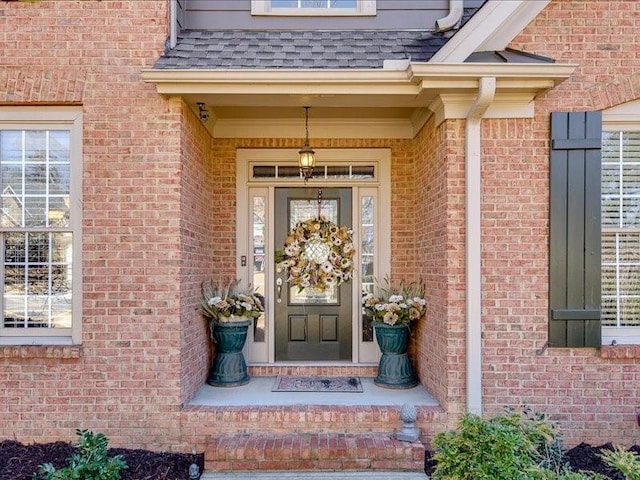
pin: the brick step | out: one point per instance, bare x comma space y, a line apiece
313, 451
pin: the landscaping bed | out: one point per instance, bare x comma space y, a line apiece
582, 457
20, 462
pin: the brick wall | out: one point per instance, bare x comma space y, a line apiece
125, 379
440, 341
592, 396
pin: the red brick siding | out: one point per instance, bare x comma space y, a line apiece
440, 245
591, 394
199, 204
125, 381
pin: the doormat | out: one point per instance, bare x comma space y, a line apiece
288, 383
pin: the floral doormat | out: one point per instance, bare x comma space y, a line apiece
286, 383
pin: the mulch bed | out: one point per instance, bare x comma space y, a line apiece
583, 457
20, 462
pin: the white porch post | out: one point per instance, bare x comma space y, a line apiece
473, 181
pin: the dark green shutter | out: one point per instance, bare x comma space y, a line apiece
574, 283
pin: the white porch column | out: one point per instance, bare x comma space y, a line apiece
473, 181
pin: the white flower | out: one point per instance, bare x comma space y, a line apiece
396, 298
214, 300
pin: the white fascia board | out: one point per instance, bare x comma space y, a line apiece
492, 27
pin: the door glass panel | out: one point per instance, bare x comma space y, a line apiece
367, 249
258, 207
299, 211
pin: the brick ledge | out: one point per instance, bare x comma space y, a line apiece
40, 351
620, 351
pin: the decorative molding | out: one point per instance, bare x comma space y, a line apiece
492, 27
37, 85
505, 105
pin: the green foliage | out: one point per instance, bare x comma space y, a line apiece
626, 461
90, 463
514, 446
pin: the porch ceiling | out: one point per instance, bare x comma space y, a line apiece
406, 97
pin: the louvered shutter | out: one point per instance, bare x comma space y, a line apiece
575, 284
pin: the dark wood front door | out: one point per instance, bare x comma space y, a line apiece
311, 325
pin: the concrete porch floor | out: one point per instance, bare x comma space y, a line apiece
258, 392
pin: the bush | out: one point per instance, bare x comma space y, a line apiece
627, 462
514, 446
90, 463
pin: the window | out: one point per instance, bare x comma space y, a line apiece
313, 7
40, 175
621, 236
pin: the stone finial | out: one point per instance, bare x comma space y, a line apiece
194, 472
409, 431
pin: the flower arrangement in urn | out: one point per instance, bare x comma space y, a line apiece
230, 311
396, 304
228, 303
393, 309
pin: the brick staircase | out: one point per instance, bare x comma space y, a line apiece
313, 452
301, 437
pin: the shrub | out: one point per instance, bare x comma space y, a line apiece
90, 463
514, 445
627, 462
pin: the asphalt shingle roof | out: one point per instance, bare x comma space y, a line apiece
262, 49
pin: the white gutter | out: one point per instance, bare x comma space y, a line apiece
473, 181
456, 9
173, 23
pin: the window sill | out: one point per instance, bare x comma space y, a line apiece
620, 351
41, 351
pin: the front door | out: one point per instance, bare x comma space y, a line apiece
311, 325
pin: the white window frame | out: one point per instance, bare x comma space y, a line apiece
363, 8
54, 118
625, 117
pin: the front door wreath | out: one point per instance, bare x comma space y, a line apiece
317, 254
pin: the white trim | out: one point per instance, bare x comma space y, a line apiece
473, 253
381, 157
26, 118
620, 335
492, 27
508, 105
173, 23
623, 117
322, 128
363, 8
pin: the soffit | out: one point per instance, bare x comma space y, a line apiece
407, 95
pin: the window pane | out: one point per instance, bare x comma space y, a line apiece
11, 146
35, 179
630, 312
259, 224
367, 246
37, 287
629, 247
284, 3
631, 147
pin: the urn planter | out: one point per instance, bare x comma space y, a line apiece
394, 369
229, 368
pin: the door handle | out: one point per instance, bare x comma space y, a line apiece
278, 290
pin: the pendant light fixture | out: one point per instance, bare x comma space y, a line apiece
306, 157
